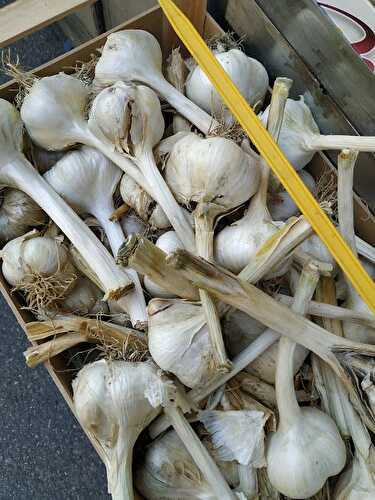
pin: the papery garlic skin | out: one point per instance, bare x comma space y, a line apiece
110, 403
248, 74
32, 254
298, 124
357, 482
281, 206
314, 435
18, 213
213, 170
84, 299
168, 242
179, 341
244, 245
50, 93
169, 472
317, 249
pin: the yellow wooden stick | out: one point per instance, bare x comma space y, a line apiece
271, 152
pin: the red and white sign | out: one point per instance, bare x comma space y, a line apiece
356, 18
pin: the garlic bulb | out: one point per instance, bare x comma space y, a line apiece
18, 213
17, 172
281, 206
110, 403
130, 117
84, 299
358, 480
240, 330
43, 159
248, 74
178, 340
300, 136
132, 224
215, 175
169, 472
142, 203
307, 447
315, 248
168, 242
135, 56
87, 180
31, 254
237, 245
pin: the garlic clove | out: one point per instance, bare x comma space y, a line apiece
248, 74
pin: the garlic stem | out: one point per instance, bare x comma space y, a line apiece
193, 113
345, 171
123, 489
199, 453
287, 403
162, 194
332, 311
39, 354
316, 142
19, 173
365, 249
204, 235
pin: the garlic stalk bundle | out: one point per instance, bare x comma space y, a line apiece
216, 176
17, 172
345, 168
281, 205
300, 137
130, 117
18, 214
248, 74
87, 180
168, 242
135, 56
142, 203
177, 73
237, 244
179, 341
307, 448
110, 403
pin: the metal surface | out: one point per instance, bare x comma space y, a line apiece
265, 42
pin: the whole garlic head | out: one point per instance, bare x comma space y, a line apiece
179, 341
248, 74
298, 123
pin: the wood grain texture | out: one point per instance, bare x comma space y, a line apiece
118, 11
267, 44
25, 16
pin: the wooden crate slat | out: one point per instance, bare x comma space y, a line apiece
26, 16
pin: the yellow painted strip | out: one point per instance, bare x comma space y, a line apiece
271, 153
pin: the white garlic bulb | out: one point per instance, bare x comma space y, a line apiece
168, 242
18, 213
33, 254
240, 330
298, 124
248, 74
316, 249
179, 341
85, 298
280, 204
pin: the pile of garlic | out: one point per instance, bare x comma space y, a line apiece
157, 240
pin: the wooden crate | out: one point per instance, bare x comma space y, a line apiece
154, 22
